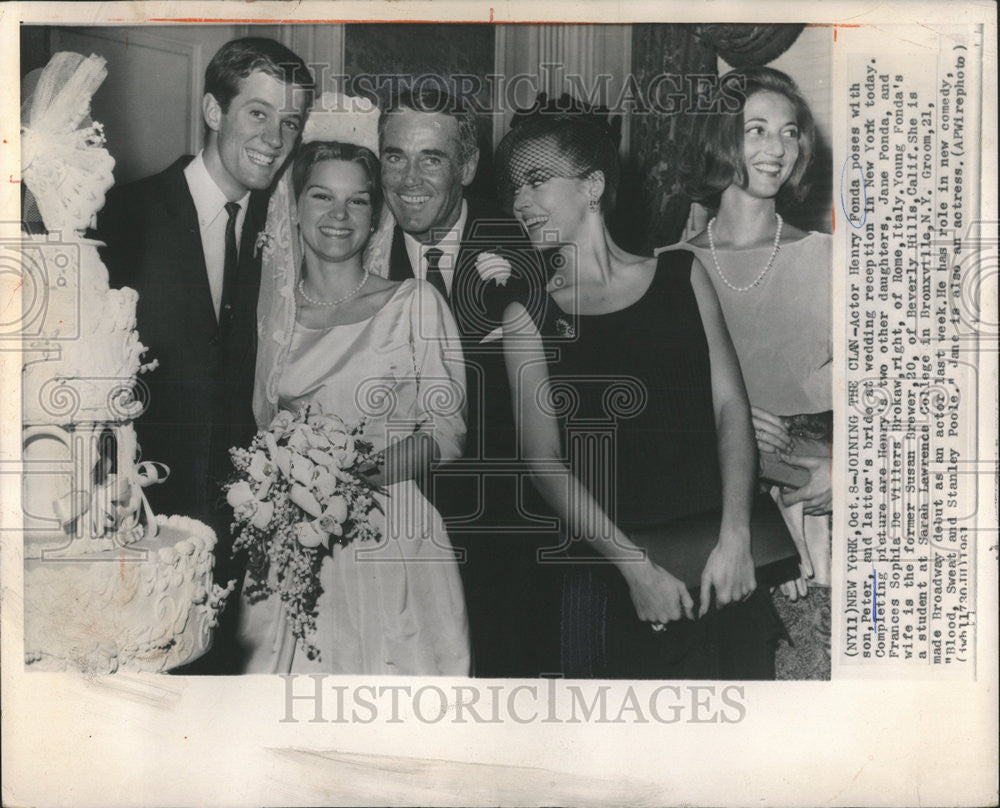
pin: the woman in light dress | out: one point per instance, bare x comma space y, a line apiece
337, 335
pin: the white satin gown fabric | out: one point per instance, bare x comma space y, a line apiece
395, 608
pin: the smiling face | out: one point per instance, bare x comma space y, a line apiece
556, 204
335, 210
770, 142
423, 172
544, 201
250, 141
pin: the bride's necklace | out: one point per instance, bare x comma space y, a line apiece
763, 272
339, 300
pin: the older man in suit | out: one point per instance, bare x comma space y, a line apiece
185, 240
478, 260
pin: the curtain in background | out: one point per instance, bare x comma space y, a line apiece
437, 51
651, 211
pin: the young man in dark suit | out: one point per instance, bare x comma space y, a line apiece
478, 260
185, 240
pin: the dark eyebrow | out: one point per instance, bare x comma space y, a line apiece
326, 188
284, 113
765, 120
434, 152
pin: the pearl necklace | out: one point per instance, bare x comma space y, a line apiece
763, 272
339, 300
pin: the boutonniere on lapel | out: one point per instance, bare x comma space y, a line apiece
263, 241
493, 267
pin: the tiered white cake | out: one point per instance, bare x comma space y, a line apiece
82, 367
107, 585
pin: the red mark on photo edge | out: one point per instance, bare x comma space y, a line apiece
20, 283
12, 181
122, 565
268, 20
491, 13
842, 25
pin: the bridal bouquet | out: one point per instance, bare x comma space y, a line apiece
297, 490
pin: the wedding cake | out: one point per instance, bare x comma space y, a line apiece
107, 585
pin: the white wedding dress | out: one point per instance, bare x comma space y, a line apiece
395, 608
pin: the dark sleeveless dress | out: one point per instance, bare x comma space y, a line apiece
633, 393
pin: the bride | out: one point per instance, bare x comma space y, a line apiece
336, 334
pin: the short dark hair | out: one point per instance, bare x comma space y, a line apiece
579, 139
714, 159
430, 98
237, 59
319, 151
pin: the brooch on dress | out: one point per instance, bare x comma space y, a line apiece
564, 328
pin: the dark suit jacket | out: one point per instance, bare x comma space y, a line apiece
479, 496
199, 398
478, 306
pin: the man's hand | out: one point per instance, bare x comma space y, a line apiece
770, 431
816, 496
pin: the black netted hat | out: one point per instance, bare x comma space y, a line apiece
549, 146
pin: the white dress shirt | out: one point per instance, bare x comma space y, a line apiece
210, 203
449, 246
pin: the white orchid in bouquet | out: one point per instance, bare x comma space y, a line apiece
297, 490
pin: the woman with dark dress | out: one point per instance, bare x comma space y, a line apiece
631, 411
